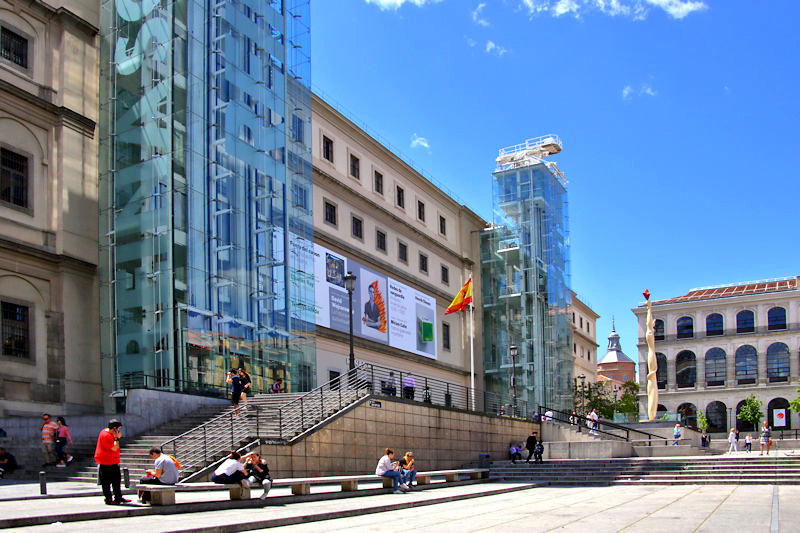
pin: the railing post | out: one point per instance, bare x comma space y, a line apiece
231, 417
280, 424
205, 445
372, 379
340, 398
302, 415
258, 427
321, 405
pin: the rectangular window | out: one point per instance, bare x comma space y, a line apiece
588, 329
16, 330
442, 225
380, 240
355, 167
327, 149
580, 321
299, 196
445, 275
400, 197
402, 252
446, 336
574, 348
14, 178
297, 129
423, 263
14, 47
420, 210
330, 213
357, 227
378, 182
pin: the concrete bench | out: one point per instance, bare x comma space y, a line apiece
165, 494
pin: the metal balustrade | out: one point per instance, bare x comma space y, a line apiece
604, 427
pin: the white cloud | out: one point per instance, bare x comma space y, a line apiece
626, 92
476, 16
470, 41
494, 48
420, 142
645, 89
634, 9
396, 4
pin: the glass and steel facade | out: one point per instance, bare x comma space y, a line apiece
205, 193
525, 285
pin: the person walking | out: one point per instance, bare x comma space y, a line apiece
48, 429
277, 386
732, 439
766, 438
106, 455
236, 388
748, 442
514, 453
246, 384
62, 438
595, 420
530, 445
676, 433
538, 451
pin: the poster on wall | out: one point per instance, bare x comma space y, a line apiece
779, 418
384, 310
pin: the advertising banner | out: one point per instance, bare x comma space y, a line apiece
779, 418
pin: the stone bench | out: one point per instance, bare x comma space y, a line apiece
165, 494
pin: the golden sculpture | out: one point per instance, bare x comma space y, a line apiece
652, 362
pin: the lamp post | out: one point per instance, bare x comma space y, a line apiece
616, 390
513, 351
583, 393
350, 285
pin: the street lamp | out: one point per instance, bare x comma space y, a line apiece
583, 393
350, 285
513, 351
616, 390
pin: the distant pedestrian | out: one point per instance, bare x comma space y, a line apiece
390, 385
106, 455
704, 439
538, 451
530, 445
737, 437
48, 429
236, 387
595, 420
748, 442
676, 433
766, 438
514, 453
246, 384
7, 463
277, 386
62, 439
732, 439
409, 386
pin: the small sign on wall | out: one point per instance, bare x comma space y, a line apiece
375, 403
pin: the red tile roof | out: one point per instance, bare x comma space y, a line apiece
741, 289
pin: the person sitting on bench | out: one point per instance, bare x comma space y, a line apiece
231, 471
165, 473
258, 472
387, 468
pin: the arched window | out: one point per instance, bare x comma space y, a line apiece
778, 414
776, 318
743, 425
714, 325
685, 369
658, 330
685, 327
777, 362
716, 367
717, 415
746, 365
745, 322
660, 411
661, 373
688, 414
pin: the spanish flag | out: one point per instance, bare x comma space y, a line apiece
462, 299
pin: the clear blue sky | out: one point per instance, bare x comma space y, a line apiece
679, 121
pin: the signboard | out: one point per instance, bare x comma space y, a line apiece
384, 310
375, 403
779, 418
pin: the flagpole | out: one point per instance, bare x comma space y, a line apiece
472, 352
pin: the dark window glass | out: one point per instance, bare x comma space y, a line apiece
299, 196
661, 372
380, 240
330, 213
442, 225
777, 362
714, 325
688, 414
685, 369
685, 327
742, 425
378, 182
776, 318
580, 322
297, 129
401, 197
14, 178
445, 275
746, 365
327, 149
357, 227
423, 263
14, 47
15, 330
402, 252
717, 416
574, 348
445, 335
658, 330
784, 422
716, 367
421, 211
355, 167
745, 322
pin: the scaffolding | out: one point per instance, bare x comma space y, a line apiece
525, 276
205, 192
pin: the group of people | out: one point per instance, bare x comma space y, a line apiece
241, 385
533, 444
249, 470
765, 439
389, 387
55, 437
403, 473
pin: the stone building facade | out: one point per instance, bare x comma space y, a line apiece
584, 340
48, 206
718, 345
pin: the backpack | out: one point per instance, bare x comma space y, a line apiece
175, 460
538, 449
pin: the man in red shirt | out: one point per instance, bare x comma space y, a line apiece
48, 429
107, 456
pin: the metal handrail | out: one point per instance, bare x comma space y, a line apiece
577, 421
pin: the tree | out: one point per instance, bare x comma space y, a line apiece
751, 411
794, 405
702, 421
629, 402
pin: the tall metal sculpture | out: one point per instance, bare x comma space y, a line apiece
652, 361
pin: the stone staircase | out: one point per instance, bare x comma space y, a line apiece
736, 469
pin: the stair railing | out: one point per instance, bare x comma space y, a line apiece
581, 423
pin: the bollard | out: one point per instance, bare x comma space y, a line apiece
483, 460
126, 475
42, 482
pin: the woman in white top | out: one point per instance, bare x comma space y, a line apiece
231, 471
387, 468
732, 440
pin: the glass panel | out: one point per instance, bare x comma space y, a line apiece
746, 365
745, 322
685, 369
714, 325
685, 327
776, 318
